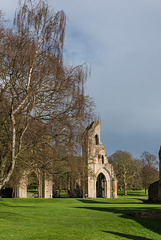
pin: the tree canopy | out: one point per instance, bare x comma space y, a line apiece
127, 170
134, 173
150, 173
37, 91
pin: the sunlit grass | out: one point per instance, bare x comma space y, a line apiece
134, 193
90, 219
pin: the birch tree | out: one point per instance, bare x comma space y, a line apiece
34, 82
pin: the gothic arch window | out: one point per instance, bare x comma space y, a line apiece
102, 159
96, 139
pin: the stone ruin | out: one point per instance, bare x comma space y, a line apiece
101, 180
154, 193
154, 196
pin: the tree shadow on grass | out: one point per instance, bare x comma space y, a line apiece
4, 205
128, 236
16, 206
125, 212
11, 216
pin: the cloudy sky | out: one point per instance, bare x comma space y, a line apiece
121, 40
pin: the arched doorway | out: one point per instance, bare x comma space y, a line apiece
101, 186
33, 185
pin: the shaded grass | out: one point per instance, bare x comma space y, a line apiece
135, 193
89, 219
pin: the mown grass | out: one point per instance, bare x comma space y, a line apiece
89, 219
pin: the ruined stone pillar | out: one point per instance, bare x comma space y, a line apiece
108, 195
45, 186
114, 188
91, 187
48, 185
20, 191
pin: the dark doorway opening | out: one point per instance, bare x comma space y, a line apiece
6, 193
101, 186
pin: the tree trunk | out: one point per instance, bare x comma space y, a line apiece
125, 183
125, 187
13, 154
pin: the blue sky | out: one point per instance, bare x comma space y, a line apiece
121, 40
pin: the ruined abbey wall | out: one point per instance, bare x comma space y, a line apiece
102, 181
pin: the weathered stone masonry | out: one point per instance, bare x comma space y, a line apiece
102, 181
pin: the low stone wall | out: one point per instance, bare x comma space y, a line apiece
143, 214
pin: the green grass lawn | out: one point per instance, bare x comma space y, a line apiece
63, 219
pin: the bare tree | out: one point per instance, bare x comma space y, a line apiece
150, 173
127, 169
34, 82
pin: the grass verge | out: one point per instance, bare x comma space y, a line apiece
89, 219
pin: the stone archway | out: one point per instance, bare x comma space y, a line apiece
44, 185
33, 185
101, 186
103, 181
